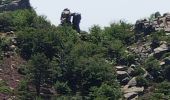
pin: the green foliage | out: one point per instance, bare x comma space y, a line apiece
62, 88
23, 92
138, 71
141, 81
79, 67
163, 87
38, 71
17, 20
6, 21
2, 83
105, 92
120, 31
155, 96
32, 41
86, 49
165, 55
22, 18
95, 34
66, 97
161, 92
88, 72
5, 89
156, 37
153, 67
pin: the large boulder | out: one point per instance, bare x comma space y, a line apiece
130, 71
132, 82
158, 52
132, 92
131, 96
121, 68
122, 74
134, 89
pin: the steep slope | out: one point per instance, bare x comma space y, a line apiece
61, 64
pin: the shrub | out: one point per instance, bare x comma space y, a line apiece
105, 92
138, 71
23, 92
141, 81
154, 69
5, 89
62, 88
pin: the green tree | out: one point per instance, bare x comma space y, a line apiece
39, 71
106, 92
95, 34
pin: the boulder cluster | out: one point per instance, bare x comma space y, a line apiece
128, 82
127, 74
156, 24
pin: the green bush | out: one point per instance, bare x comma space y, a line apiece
23, 92
5, 89
2, 83
163, 87
154, 69
138, 71
141, 81
161, 92
62, 88
105, 92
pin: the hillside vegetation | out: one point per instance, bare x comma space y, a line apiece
56, 63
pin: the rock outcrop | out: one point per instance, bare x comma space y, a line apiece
12, 5
162, 49
157, 24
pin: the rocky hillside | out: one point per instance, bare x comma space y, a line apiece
46, 62
137, 79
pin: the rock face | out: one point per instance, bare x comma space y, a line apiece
142, 50
131, 96
14, 5
122, 74
162, 49
132, 82
157, 24
132, 93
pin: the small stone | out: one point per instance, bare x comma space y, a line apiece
17, 80
11, 88
161, 63
12, 32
